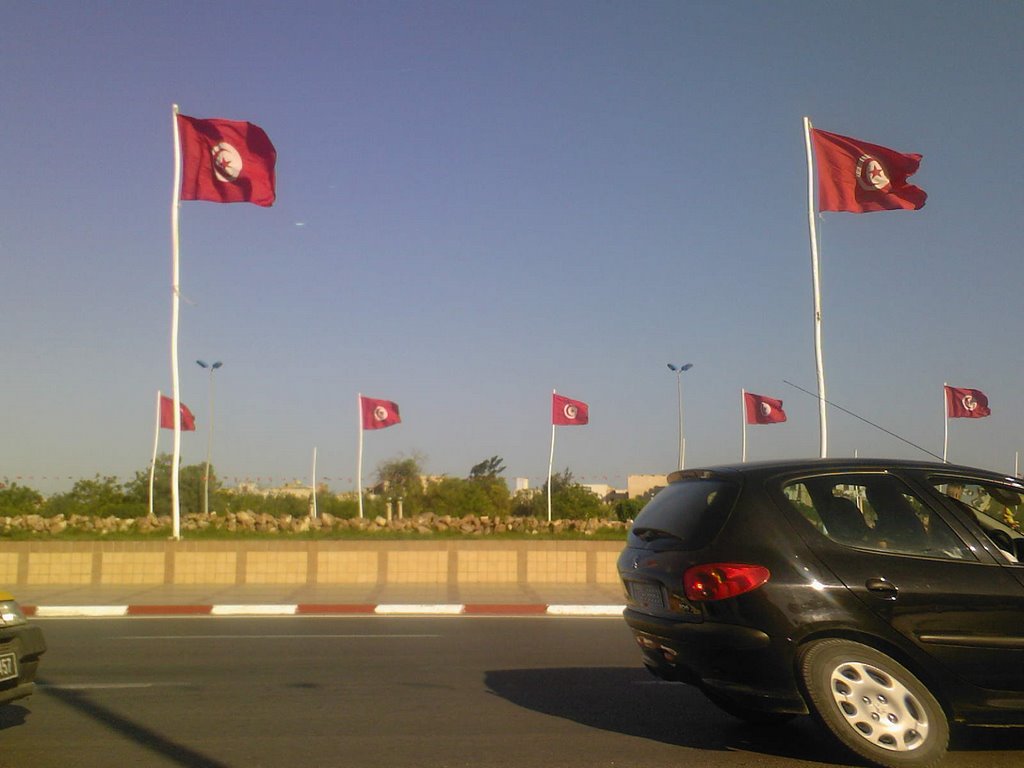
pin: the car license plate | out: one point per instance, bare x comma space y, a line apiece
646, 594
8, 666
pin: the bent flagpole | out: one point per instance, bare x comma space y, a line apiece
816, 281
175, 294
156, 442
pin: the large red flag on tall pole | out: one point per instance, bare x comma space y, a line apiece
226, 161
962, 403
374, 413
859, 177
222, 161
188, 421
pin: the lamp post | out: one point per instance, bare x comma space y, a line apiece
209, 436
678, 370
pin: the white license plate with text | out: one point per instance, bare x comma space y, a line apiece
8, 666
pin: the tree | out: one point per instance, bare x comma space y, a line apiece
190, 487
402, 478
569, 499
487, 468
99, 497
19, 500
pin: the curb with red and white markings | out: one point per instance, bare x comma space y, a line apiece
322, 609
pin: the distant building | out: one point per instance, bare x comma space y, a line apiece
638, 485
604, 492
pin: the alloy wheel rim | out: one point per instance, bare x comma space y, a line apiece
878, 707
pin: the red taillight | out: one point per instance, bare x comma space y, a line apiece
717, 581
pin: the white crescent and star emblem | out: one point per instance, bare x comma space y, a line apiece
380, 413
766, 410
570, 411
871, 174
969, 402
227, 162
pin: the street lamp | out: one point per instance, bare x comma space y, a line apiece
209, 436
678, 370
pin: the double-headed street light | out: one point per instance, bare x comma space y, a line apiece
209, 436
678, 370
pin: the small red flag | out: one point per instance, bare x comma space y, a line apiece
378, 414
963, 403
188, 421
763, 410
226, 161
859, 177
566, 412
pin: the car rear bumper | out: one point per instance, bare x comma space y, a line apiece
744, 664
27, 643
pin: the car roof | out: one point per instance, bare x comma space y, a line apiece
764, 469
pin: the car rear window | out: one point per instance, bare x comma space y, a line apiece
687, 514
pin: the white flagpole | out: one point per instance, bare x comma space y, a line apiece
156, 442
312, 482
743, 422
359, 454
945, 420
551, 461
815, 276
175, 292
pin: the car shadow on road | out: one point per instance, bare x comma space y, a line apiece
12, 715
629, 700
130, 729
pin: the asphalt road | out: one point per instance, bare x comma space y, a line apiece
375, 691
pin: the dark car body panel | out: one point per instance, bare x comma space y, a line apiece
957, 623
26, 642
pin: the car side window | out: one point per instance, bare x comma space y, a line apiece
876, 512
997, 509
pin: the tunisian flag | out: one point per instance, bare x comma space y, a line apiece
763, 410
859, 177
566, 412
963, 403
226, 161
378, 414
188, 421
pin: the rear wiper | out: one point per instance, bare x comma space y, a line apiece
650, 534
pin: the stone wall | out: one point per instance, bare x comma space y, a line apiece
452, 561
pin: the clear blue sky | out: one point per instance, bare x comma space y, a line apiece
479, 202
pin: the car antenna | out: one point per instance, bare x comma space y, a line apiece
870, 423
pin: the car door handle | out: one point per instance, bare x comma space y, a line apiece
882, 588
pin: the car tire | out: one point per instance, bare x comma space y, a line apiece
747, 714
874, 705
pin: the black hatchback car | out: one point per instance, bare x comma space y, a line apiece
884, 597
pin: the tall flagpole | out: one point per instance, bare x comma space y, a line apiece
551, 462
175, 292
743, 422
815, 276
359, 454
156, 442
945, 420
312, 481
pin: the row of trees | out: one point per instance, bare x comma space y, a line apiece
482, 492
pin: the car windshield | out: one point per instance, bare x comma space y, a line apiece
687, 513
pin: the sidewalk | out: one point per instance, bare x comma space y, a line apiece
262, 600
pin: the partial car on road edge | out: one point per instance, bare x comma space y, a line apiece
21, 645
